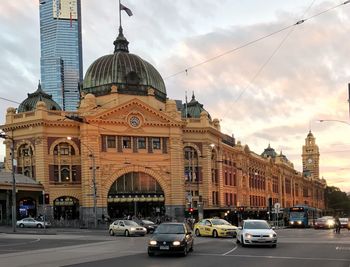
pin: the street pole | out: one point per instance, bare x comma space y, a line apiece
94, 188
44, 211
14, 213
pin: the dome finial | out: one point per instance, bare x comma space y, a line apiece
193, 98
121, 44
39, 90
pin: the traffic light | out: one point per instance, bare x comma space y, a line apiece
241, 209
190, 210
47, 199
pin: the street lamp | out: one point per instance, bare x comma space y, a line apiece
94, 187
14, 213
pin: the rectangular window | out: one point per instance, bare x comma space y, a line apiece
141, 142
111, 142
126, 142
156, 143
64, 151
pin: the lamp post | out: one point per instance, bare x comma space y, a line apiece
14, 213
94, 186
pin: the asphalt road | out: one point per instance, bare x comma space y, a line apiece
296, 248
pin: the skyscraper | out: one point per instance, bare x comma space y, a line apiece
61, 50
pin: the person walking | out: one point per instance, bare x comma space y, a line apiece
337, 225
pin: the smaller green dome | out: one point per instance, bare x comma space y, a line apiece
269, 152
29, 104
193, 109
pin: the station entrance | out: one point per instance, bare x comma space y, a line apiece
135, 194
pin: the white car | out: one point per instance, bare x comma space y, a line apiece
126, 228
30, 222
256, 232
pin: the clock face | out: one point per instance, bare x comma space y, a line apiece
309, 160
134, 121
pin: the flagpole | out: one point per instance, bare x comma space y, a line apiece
120, 16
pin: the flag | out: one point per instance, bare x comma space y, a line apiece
127, 10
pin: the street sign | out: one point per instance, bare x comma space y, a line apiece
277, 207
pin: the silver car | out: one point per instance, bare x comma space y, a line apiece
256, 232
126, 228
30, 222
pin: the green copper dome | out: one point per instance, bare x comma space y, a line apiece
130, 73
29, 104
269, 152
193, 109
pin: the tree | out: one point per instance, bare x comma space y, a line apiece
337, 201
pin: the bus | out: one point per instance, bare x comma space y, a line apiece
302, 216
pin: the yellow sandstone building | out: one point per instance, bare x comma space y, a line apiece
131, 150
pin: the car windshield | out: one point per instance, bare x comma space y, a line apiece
170, 229
147, 222
296, 215
219, 222
256, 225
130, 223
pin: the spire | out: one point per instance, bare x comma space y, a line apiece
39, 90
121, 44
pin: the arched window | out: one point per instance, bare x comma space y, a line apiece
25, 160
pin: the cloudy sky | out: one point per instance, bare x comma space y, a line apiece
271, 90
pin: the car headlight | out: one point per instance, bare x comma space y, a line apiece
291, 222
247, 235
153, 242
299, 222
132, 229
272, 235
330, 223
144, 229
176, 243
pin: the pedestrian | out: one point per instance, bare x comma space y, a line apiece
337, 225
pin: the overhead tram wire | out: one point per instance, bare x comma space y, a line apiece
254, 41
243, 46
229, 51
269, 58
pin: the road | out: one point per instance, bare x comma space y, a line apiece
296, 248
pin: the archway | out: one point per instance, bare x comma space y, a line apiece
66, 208
136, 194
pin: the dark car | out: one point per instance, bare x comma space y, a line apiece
149, 225
171, 238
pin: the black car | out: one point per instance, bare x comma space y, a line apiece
171, 237
149, 225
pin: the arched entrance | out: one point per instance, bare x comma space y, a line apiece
136, 194
66, 208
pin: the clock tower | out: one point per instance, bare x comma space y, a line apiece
311, 157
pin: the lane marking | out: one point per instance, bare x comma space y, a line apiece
224, 254
272, 257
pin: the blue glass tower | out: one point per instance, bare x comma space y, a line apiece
61, 51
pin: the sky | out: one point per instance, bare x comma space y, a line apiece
264, 91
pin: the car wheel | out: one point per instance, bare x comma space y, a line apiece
151, 254
274, 245
126, 233
242, 242
215, 233
197, 233
111, 233
21, 225
39, 225
184, 253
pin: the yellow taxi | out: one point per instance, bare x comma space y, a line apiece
215, 227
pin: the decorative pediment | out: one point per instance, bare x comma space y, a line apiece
135, 113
